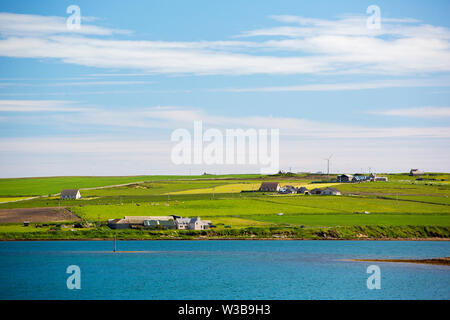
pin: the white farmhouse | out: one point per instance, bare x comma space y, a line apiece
70, 194
192, 223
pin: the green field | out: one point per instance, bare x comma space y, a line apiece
52, 185
402, 202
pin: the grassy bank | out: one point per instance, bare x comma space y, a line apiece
341, 233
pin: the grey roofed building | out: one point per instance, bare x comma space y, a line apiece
302, 190
287, 190
70, 194
269, 186
118, 224
331, 191
415, 172
344, 178
163, 224
316, 191
139, 220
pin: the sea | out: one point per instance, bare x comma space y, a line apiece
221, 269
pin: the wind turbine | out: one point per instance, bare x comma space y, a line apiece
328, 166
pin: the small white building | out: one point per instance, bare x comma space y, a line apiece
192, 224
70, 194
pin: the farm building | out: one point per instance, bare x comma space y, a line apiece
287, 190
415, 172
344, 178
192, 223
302, 190
160, 224
136, 221
359, 178
381, 179
70, 194
118, 224
270, 187
316, 191
331, 192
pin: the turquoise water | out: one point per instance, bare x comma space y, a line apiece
221, 270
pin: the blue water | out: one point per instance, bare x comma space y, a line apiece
221, 270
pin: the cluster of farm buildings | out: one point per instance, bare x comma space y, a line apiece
276, 187
162, 222
357, 178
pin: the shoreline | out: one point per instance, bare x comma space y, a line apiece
236, 239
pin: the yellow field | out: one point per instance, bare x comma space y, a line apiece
238, 187
12, 199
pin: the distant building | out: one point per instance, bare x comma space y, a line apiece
381, 178
70, 194
359, 178
302, 190
331, 192
160, 224
344, 178
118, 224
192, 223
287, 190
269, 187
415, 172
139, 220
316, 191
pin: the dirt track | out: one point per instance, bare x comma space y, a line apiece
36, 215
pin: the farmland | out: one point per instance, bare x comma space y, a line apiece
232, 202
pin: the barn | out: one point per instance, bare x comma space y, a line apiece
270, 187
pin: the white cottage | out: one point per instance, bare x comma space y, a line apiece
192, 223
70, 194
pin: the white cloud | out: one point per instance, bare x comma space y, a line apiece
378, 84
39, 106
420, 112
316, 46
172, 117
12, 24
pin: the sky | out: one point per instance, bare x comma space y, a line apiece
105, 99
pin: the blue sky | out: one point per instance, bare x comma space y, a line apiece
104, 100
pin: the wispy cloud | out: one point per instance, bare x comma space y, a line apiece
39, 106
401, 46
349, 86
172, 117
13, 24
420, 112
